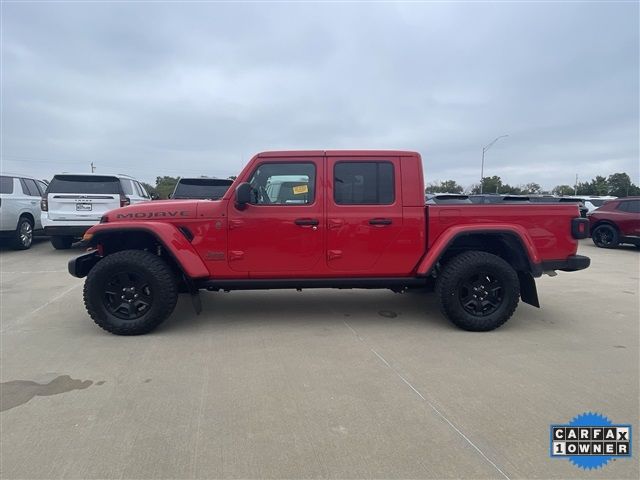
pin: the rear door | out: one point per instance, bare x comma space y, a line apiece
82, 197
629, 217
32, 203
364, 215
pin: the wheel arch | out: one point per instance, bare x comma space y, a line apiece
29, 215
607, 222
513, 246
162, 239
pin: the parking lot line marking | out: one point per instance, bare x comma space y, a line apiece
44, 305
433, 407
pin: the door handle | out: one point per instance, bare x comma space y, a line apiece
380, 221
307, 222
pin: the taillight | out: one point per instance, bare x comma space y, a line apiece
44, 204
124, 201
580, 228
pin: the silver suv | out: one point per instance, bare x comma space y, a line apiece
20, 208
75, 202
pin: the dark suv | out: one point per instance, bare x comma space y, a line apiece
617, 221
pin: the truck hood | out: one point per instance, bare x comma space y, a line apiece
161, 210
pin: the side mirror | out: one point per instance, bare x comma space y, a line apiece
243, 195
170, 195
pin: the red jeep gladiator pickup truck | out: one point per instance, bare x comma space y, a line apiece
325, 219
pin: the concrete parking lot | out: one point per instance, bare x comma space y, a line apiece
321, 384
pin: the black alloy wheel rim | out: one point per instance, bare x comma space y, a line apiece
604, 236
481, 294
127, 295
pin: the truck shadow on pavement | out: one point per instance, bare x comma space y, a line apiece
291, 308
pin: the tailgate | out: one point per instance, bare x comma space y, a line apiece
82, 197
78, 206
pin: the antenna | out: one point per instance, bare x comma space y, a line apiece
93, 168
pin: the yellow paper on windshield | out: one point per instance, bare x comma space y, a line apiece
300, 189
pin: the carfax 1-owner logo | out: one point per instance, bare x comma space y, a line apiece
590, 440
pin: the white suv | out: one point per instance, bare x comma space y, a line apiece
75, 202
20, 208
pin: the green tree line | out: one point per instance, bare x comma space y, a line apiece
616, 184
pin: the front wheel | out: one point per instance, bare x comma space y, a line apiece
130, 292
478, 291
605, 236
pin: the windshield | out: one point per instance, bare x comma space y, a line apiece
201, 188
84, 184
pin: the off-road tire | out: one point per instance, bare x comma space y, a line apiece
61, 243
23, 236
159, 276
454, 275
605, 236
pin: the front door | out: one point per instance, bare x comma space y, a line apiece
280, 233
364, 215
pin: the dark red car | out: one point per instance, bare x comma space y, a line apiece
617, 221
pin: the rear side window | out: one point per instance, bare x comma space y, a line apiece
6, 184
201, 188
41, 186
84, 184
140, 189
29, 187
363, 183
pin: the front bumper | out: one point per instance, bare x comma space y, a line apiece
572, 263
79, 267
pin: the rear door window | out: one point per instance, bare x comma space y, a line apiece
6, 184
631, 206
84, 184
363, 183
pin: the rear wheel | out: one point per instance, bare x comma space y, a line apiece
605, 236
478, 291
23, 236
62, 243
130, 292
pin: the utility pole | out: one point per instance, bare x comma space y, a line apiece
93, 168
484, 149
575, 186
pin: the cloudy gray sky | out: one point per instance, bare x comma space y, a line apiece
196, 89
